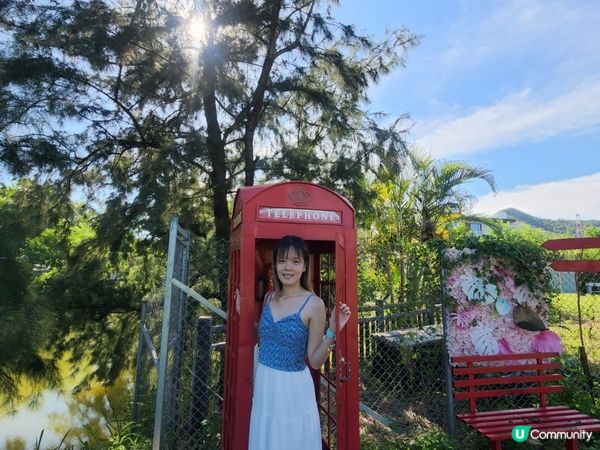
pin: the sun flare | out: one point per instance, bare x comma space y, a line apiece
196, 30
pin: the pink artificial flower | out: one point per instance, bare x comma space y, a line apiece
546, 341
463, 317
506, 275
509, 283
502, 271
452, 280
503, 347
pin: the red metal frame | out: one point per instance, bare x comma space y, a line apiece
261, 216
565, 265
572, 243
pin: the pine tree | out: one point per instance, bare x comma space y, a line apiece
116, 98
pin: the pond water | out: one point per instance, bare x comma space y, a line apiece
22, 430
78, 415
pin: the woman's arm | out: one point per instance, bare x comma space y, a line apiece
319, 345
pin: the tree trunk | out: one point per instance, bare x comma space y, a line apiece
249, 166
216, 146
258, 99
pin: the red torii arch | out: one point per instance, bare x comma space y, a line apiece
574, 265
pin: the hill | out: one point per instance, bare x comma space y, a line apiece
559, 226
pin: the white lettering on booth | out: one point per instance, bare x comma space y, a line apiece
299, 215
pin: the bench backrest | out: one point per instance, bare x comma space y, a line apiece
484, 376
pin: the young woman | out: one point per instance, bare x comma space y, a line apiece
292, 328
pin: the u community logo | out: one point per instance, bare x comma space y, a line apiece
520, 433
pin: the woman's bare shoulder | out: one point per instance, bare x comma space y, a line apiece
316, 304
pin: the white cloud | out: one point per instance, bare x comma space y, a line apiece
561, 33
558, 30
546, 51
562, 199
516, 119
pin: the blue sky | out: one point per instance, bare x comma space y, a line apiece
512, 86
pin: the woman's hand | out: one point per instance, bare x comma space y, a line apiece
237, 297
344, 314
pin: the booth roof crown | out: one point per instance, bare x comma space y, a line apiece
300, 197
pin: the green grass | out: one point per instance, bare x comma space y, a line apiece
374, 436
564, 321
581, 356
120, 435
566, 306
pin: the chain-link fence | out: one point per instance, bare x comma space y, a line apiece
575, 317
401, 349
179, 381
401, 343
402, 365
144, 397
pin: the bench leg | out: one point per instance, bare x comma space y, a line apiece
571, 444
495, 445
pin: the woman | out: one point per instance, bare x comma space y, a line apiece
284, 407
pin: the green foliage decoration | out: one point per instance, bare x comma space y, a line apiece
528, 260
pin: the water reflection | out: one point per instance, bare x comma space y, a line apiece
22, 430
65, 416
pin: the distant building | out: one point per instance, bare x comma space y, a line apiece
504, 217
476, 228
480, 228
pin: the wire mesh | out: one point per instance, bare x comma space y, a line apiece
402, 366
575, 317
401, 345
147, 367
191, 411
401, 350
194, 391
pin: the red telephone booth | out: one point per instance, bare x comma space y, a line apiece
325, 220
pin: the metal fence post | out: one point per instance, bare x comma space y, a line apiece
201, 372
164, 339
380, 314
138, 364
447, 367
179, 313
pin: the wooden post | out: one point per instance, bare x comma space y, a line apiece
379, 313
201, 371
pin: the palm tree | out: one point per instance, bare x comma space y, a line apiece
438, 198
412, 205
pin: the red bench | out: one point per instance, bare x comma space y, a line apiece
518, 374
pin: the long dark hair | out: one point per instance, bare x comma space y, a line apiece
283, 247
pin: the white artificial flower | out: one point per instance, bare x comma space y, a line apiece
484, 341
524, 296
452, 254
477, 290
503, 306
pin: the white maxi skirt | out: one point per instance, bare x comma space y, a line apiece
284, 411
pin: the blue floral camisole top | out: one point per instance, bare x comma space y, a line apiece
282, 342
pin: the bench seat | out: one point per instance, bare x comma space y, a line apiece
498, 425
475, 379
